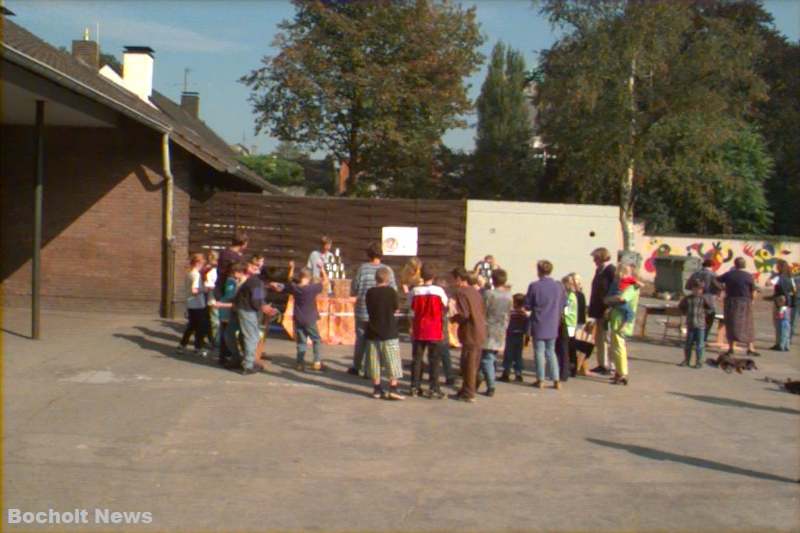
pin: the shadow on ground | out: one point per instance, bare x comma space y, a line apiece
658, 455
730, 402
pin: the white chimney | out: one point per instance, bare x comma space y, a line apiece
137, 70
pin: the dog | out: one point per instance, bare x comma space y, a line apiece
790, 386
729, 363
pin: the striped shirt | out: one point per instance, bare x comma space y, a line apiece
364, 281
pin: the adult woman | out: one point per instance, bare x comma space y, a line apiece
740, 291
621, 317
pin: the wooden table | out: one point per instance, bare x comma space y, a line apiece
337, 322
656, 309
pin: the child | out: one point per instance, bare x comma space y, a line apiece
248, 309
410, 275
209, 273
383, 343
498, 303
428, 303
195, 307
237, 274
516, 335
570, 319
782, 325
305, 313
468, 311
696, 308
581, 297
444, 345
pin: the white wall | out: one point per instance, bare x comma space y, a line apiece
519, 234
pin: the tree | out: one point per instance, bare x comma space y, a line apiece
505, 166
778, 118
358, 79
640, 96
275, 170
289, 151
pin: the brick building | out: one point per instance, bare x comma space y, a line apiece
110, 144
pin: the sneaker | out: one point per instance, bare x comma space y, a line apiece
775, 348
505, 378
413, 393
752, 353
317, 366
254, 370
684, 363
352, 371
490, 392
599, 370
518, 378
438, 395
557, 385
698, 365
377, 393
538, 384
394, 396
201, 352
180, 349
463, 398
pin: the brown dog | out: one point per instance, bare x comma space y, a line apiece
729, 363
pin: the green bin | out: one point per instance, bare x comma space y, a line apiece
672, 272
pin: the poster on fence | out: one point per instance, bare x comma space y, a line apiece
399, 240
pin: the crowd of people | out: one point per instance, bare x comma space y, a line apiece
227, 303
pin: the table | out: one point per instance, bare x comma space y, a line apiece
336, 325
657, 309
337, 321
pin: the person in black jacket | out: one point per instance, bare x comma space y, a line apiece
603, 278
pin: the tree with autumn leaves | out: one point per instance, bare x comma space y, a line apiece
375, 83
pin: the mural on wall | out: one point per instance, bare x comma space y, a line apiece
761, 258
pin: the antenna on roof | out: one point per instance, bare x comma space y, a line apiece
86, 33
186, 72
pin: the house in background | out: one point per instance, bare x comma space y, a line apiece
117, 164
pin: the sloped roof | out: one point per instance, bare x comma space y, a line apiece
25, 49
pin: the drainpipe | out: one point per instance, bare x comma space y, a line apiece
168, 253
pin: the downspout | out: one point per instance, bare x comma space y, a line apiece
168, 252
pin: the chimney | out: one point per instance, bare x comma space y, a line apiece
137, 70
190, 102
86, 51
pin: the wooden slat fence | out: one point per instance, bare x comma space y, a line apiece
289, 228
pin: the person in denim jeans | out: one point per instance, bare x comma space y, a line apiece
518, 325
545, 300
697, 308
249, 308
782, 326
305, 313
498, 303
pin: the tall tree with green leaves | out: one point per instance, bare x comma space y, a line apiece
637, 95
778, 118
357, 79
505, 167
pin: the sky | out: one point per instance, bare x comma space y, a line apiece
221, 40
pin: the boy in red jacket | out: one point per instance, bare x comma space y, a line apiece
429, 305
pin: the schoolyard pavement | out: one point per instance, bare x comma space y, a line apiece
103, 414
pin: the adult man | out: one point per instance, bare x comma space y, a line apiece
484, 270
711, 289
227, 258
319, 258
469, 312
740, 292
545, 300
364, 281
601, 283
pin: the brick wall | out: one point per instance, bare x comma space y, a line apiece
102, 217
